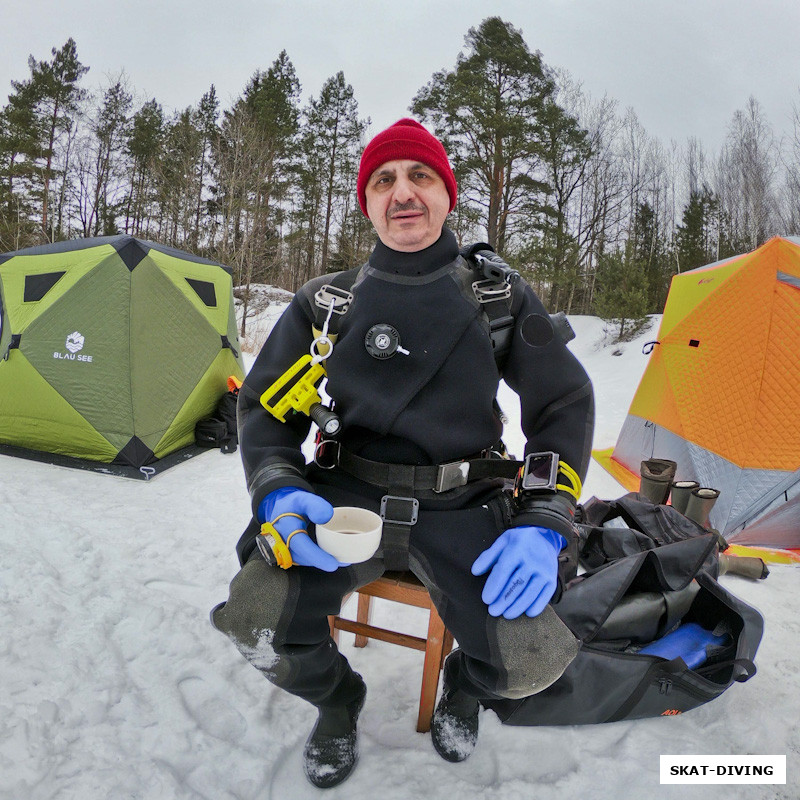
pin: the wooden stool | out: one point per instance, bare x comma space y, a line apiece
403, 587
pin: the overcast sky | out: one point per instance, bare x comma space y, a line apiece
684, 66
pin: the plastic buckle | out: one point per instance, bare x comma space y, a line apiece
392, 508
340, 298
487, 291
451, 476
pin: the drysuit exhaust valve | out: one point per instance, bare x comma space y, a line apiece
383, 341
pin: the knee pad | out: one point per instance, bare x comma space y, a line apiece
257, 600
534, 652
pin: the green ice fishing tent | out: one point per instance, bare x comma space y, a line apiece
110, 350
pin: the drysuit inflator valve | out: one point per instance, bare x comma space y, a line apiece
297, 390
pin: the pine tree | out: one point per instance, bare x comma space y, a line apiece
54, 87
330, 142
488, 111
206, 115
178, 178
100, 161
621, 290
254, 165
694, 235
565, 155
144, 147
650, 253
18, 149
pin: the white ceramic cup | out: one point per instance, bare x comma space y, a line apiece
351, 535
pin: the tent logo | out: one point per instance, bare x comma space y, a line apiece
74, 342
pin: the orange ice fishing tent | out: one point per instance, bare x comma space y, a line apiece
721, 393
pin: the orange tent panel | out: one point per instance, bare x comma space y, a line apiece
774, 440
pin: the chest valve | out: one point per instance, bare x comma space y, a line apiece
383, 341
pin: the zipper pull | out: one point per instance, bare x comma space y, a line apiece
664, 686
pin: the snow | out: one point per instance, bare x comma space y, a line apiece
114, 684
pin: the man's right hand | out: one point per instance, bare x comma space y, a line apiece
291, 500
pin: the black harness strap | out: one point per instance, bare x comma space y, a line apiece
493, 292
399, 510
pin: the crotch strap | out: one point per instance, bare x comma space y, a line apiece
399, 510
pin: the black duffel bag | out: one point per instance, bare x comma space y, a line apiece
617, 609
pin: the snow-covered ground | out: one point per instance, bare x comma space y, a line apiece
113, 684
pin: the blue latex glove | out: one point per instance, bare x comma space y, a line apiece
305, 551
689, 641
524, 571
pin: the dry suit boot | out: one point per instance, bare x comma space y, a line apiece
680, 494
657, 475
700, 503
454, 726
331, 751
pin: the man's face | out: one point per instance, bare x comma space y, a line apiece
407, 202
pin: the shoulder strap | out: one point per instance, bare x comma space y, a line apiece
493, 290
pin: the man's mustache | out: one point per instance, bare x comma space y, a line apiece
401, 208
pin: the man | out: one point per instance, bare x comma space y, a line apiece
419, 396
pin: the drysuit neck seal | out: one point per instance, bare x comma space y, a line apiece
443, 251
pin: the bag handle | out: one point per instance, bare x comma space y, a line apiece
746, 670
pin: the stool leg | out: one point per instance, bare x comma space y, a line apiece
434, 657
362, 615
447, 645
332, 621
334, 629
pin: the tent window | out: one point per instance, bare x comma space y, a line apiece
694, 343
205, 291
37, 286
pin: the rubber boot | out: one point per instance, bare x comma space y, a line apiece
454, 726
700, 503
657, 475
680, 494
746, 566
331, 751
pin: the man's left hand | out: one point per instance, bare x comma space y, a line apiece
524, 571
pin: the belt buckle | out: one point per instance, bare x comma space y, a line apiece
451, 475
395, 509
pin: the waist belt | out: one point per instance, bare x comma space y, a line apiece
434, 477
399, 506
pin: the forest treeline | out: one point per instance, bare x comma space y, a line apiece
597, 214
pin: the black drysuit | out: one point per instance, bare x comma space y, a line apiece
429, 403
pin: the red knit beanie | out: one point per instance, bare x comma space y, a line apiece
405, 140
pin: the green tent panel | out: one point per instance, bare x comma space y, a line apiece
22, 276
40, 418
210, 295
82, 376
159, 384
111, 349
199, 404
